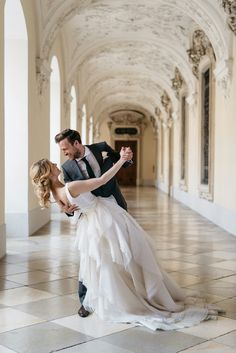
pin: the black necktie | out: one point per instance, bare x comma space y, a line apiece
88, 167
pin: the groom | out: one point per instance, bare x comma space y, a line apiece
84, 162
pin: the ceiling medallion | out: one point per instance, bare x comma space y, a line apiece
177, 82
201, 46
230, 8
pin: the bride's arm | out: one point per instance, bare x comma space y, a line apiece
80, 186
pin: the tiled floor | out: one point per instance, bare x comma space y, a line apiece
38, 286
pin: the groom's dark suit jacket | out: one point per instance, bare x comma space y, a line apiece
71, 171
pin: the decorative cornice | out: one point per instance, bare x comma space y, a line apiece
230, 8
43, 72
201, 46
177, 82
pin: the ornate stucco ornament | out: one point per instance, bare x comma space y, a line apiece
201, 46
177, 82
127, 118
43, 71
166, 102
230, 8
67, 101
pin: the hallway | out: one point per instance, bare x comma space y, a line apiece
38, 285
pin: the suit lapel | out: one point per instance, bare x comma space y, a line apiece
97, 154
75, 170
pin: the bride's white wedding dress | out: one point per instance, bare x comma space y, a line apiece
119, 267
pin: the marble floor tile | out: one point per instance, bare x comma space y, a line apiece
212, 328
207, 272
12, 319
184, 279
42, 338
51, 309
227, 265
176, 265
140, 340
6, 350
11, 269
95, 346
209, 347
229, 305
4, 284
33, 277
92, 325
59, 287
22, 295
222, 254
230, 279
65, 271
229, 339
223, 289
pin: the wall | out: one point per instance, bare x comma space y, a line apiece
2, 207
222, 210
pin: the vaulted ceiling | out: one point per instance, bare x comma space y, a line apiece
123, 54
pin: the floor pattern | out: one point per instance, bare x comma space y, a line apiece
38, 285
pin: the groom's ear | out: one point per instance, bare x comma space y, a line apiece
76, 143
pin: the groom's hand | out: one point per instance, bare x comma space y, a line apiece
67, 208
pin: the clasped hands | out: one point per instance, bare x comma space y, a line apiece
126, 154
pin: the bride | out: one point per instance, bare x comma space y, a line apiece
118, 264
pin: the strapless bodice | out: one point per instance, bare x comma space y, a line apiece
85, 201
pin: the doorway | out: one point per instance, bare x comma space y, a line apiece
127, 176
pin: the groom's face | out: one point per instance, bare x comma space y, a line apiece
72, 151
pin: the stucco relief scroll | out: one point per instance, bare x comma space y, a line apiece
230, 8
43, 71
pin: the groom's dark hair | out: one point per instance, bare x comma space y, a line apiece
70, 135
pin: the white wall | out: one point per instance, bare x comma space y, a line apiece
2, 191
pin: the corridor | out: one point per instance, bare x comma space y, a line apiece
38, 285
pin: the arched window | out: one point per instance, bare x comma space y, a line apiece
207, 131
16, 118
55, 109
73, 109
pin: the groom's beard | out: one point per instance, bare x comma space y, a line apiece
77, 154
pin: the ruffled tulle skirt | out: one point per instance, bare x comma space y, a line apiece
124, 280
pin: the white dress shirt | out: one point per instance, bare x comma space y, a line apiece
92, 161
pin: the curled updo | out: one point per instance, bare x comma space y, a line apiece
39, 173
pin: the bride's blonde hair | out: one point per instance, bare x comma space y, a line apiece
39, 173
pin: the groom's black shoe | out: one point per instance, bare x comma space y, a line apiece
83, 312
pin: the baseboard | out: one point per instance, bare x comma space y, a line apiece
38, 218
2, 240
162, 186
147, 182
25, 224
217, 214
